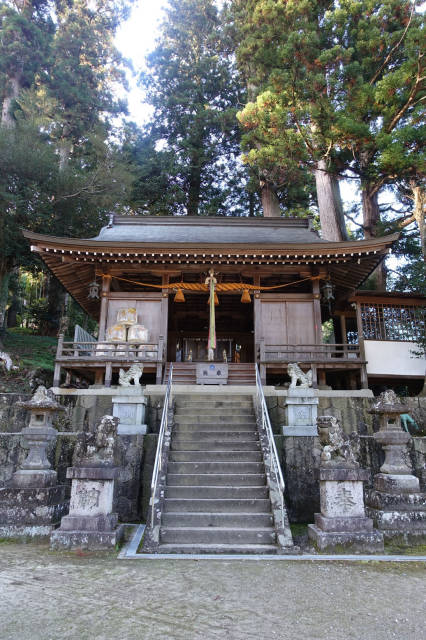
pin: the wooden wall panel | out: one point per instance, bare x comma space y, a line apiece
300, 322
285, 318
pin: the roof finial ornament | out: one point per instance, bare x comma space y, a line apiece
110, 221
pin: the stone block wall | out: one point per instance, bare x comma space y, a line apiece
299, 455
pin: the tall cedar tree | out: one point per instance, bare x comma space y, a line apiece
62, 173
192, 86
290, 102
341, 88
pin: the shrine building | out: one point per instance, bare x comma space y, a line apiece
276, 284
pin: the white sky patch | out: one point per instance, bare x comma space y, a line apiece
135, 39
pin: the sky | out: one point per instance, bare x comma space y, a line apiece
135, 39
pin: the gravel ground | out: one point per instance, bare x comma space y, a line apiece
51, 595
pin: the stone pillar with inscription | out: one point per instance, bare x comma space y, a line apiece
342, 523
396, 504
32, 504
91, 522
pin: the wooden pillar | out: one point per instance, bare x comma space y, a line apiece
321, 378
108, 374
165, 312
343, 328
317, 311
57, 371
364, 377
106, 286
160, 358
262, 366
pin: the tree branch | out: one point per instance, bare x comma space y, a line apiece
392, 51
358, 224
410, 99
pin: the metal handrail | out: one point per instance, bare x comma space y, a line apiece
266, 426
158, 455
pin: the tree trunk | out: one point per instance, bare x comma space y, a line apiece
270, 203
4, 293
194, 191
419, 213
371, 218
330, 206
55, 305
7, 119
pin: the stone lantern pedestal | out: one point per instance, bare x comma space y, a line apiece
342, 524
33, 502
91, 522
396, 504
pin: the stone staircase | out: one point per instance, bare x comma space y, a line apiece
216, 495
238, 373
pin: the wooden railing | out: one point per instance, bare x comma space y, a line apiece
104, 351
103, 357
315, 353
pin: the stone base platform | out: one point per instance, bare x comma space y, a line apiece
31, 512
93, 540
351, 541
87, 532
399, 516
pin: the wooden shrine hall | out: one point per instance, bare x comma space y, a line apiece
145, 280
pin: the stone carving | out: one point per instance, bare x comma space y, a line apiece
97, 448
88, 498
42, 399
296, 374
126, 377
5, 360
338, 448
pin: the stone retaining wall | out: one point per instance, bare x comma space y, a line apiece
299, 455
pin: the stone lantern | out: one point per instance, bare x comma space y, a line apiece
395, 503
33, 503
36, 470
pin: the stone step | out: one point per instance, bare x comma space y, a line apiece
218, 535
217, 492
213, 397
214, 444
215, 435
214, 405
178, 427
218, 505
215, 467
215, 456
232, 549
216, 479
210, 414
208, 519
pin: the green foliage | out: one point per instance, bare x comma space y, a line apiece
31, 351
341, 81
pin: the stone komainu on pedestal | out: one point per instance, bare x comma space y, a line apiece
342, 523
91, 523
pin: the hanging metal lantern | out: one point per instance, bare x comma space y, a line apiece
93, 290
328, 293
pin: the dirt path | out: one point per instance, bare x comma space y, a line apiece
48, 595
